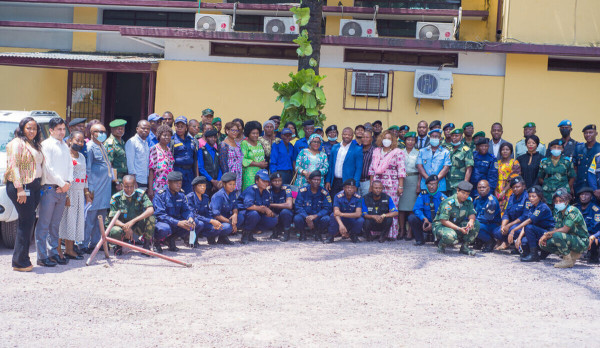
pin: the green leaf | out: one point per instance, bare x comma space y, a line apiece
301, 14
312, 112
320, 95
309, 100
307, 87
312, 62
297, 99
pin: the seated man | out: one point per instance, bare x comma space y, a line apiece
136, 215
281, 204
488, 214
516, 212
205, 223
379, 212
313, 207
455, 220
254, 204
569, 238
223, 205
173, 216
591, 214
425, 209
346, 218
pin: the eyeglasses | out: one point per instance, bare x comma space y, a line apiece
234, 130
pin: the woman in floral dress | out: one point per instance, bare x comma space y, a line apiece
508, 168
161, 161
311, 159
230, 154
254, 154
388, 166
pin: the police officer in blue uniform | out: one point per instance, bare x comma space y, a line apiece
424, 210
347, 213
282, 206
485, 167
185, 151
224, 205
198, 202
488, 214
591, 214
254, 204
584, 155
539, 221
173, 216
378, 211
565, 127
516, 212
312, 208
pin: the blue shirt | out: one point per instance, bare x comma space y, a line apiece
327, 146
485, 168
200, 208
279, 197
541, 216
223, 204
593, 174
151, 139
171, 208
488, 209
347, 205
183, 150
281, 157
300, 145
309, 203
582, 161
591, 215
391, 206
433, 164
422, 207
201, 170
100, 174
517, 208
252, 196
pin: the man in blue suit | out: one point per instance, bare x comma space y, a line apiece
345, 163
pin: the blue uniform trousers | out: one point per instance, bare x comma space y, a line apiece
354, 226
165, 229
91, 235
188, 176
533, 234
321, 223
252, 221
284, 218
498, 234
416, 226
208, 229
486, 231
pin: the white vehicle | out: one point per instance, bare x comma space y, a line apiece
9, 122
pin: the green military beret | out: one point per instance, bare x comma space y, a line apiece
457, 131
529, 125
394, 128
216, 119
207, 112
117, 123
479, 134
467, 124
410, 135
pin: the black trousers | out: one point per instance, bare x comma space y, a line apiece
384, 227
336, 186
286, 176
26, 220
416, 226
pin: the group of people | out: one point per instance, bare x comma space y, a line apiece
188, 179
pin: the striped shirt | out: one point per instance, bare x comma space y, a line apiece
367, 157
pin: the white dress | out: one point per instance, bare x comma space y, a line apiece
72, 224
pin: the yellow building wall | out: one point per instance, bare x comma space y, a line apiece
478, 30
532, 93
84, 42
564, 22
24, 88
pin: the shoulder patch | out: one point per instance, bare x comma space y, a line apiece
423, 192
328, 198
340, 195
466, 148
254, 186
595, 208
496, 164
324, 192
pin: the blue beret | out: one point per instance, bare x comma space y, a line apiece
565, 123
437, 130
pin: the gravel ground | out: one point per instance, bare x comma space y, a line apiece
301, 294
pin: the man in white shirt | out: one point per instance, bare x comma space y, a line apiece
345, 162
138, 154
56, 181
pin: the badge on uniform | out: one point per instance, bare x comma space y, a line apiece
597, 217
536, 213
178, 145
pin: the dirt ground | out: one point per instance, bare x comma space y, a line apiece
271, 293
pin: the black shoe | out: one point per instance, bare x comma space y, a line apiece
244, 239
407, 238
594, 260
533, 256
118, 250
171, 244
329, 240
147, 247
157, 247
211, 240
318, 237
354, 239
70, 257
286, 236
274, 235
368, 236
419, 243
251, 237
514, 252
488, 247
77, 249
87, 250
61, 261
383, 237
224, 240
302, 236
544, 254
46, 263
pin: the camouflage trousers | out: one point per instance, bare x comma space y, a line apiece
563, 244
143, 228
448, 236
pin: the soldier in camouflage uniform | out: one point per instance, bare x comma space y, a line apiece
461, 157
136, 215
447, 143
556, 171
468, 131
455, 220
115, 149
570, 237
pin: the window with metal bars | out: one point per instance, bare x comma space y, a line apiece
148, 18
368, 90
86, 95
400, 58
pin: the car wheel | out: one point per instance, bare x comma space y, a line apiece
9, 233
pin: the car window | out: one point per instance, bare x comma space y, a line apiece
7, 133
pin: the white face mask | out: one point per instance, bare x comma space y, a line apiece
126, 195
386, 142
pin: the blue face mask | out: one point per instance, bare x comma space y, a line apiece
556, 153
101, 137
434, 142
456, 144
332, 139
560, 206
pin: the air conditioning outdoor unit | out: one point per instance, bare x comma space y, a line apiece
280, 25
358, 28
205, 22
370, 84
436, 31
433, 84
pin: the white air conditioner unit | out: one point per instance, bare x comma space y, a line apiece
205, 22
370, 84
280, 25
437, 31
353, 27
433, 84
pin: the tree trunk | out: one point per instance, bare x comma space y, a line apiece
314, 27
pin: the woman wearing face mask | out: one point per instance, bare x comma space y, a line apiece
556, 171
388, 166
508, 168
332, 136
72, 224
411, 184
570, 237
539, 220
530, 161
